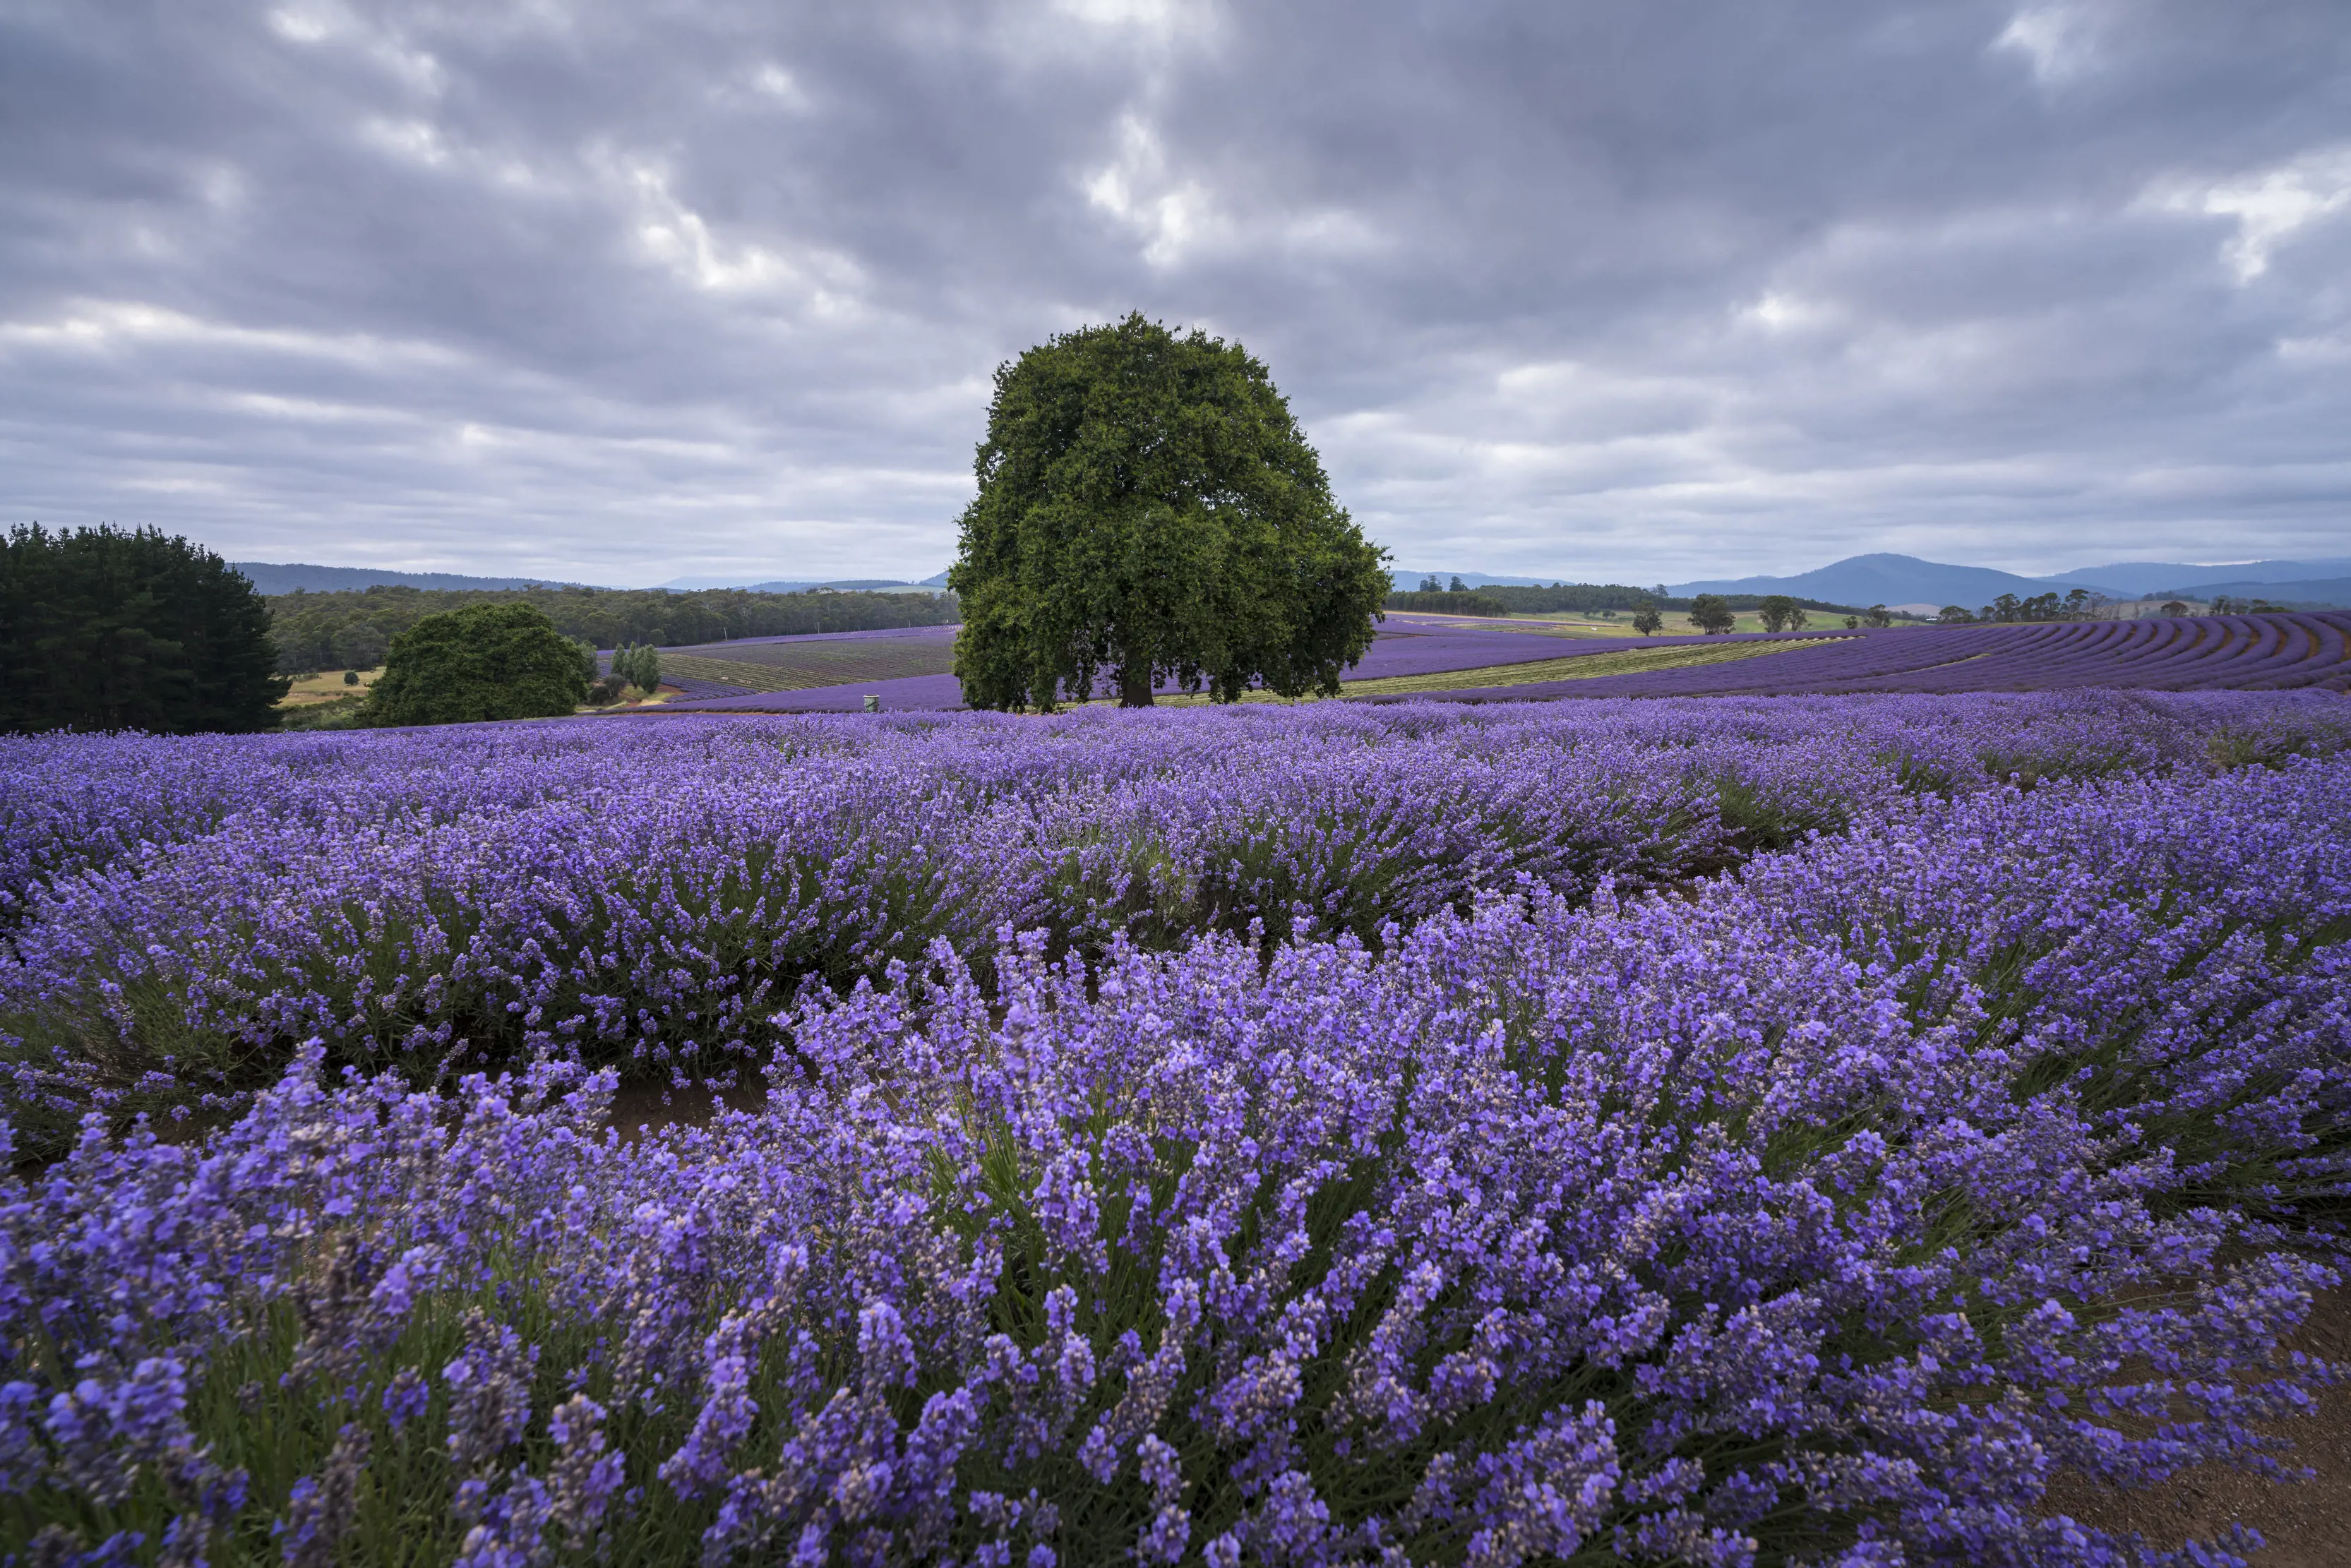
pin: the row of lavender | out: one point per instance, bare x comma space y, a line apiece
184, 912
2210, 653
1822, 1215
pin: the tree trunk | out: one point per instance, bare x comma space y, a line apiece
1135, 685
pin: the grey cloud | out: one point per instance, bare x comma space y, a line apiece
626, 292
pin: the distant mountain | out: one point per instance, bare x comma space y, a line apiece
2334, 591
2132, 578
274, 577
1407, 581
1892, 579
796, 585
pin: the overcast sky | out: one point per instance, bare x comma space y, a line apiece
626, 290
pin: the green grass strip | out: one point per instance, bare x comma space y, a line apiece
752, 678
1576, 667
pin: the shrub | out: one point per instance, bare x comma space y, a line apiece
485, 662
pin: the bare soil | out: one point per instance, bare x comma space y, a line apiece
2307, 1524
642, 1108
326, 687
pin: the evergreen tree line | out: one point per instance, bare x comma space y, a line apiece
353, 631
111, 629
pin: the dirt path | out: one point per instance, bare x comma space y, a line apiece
639, 1108
2307, 1524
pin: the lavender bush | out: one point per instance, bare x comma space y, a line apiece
1816, 1215
182, 913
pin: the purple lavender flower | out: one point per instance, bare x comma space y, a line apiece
1352, 1136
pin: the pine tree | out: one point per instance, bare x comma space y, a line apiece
108, 629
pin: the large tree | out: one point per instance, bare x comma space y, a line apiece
1149, 511
1712, 614
484, 662
112, 629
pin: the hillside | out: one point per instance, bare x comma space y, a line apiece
1890, 580
298, 577
2326, 591
2131, 579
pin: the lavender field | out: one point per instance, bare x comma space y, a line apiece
1737, 1131
2271, 652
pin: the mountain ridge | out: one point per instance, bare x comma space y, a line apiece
269, 576
1888, 578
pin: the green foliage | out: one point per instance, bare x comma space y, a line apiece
1955, 615
1711, 614
1647, 622
346, 712
1149, 510
1781, 613
351, 677
1444, 602
108, 629
485, 662
2078, 605
354, 631
639, 664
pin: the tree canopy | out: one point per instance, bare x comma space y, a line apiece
1712, 615
484, 662
111, 629
1149, 510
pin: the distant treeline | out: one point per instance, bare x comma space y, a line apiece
352, 631
1574, 598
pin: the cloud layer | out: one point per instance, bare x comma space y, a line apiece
626, 292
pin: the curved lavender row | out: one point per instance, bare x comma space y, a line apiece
2327, 644
2207, 644
2257, 644
2203, 652
2283, 643
2206, 652
2050, 662
2182, 653
2053, 657
1794, 1219
1868, 655
2248, 648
